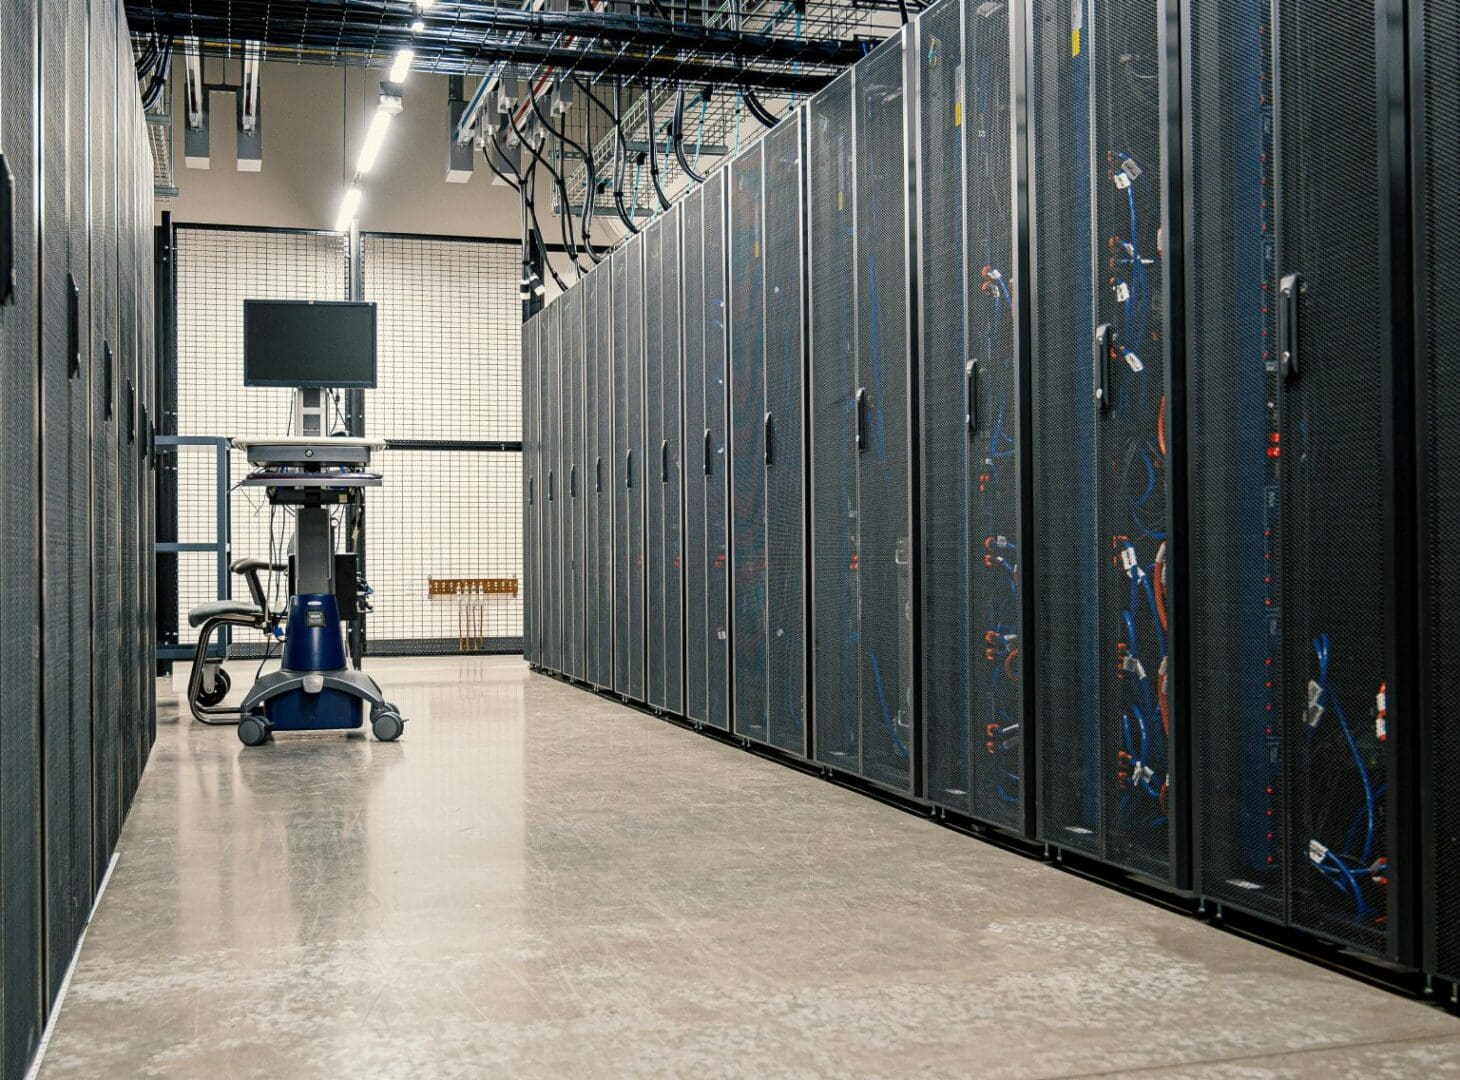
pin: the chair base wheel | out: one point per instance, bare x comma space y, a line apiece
254, 731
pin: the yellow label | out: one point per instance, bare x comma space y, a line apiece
755, 250
1075, 42
958, 114
840, 201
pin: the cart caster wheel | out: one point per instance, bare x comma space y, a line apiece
388, 726
221, 685
253, 731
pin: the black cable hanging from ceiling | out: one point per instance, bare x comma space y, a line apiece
618, 138
679, 135
653, 137
564, 215
587, 158
620, 163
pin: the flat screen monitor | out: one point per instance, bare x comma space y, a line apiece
309, 343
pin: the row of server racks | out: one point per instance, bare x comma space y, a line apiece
77, 585
1047, 422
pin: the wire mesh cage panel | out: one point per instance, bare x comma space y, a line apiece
836, 526
447, 352
884, 556
717, 495
603, 489
629, 468
217, 270
455, 520
969, 412
552, 429
747, 394
697, 473
783, 434
1437, 107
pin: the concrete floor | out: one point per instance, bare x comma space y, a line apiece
536, 882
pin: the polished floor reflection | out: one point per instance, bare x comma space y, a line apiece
538, 882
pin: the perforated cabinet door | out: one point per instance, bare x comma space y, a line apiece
673, 434
1436, 60
552, 428
1075, 776
20, 750
639, 475
835, 523
603, 481
747, 365
1334, 483
717, 489
529, 492
656, 476
697, 460
783, 432
589, 480
571, 304
885, 553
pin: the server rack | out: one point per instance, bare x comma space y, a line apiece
706, 574
553, 428
971, 367
863, 405
1435, 79
1110, 729
597, 458
662, 356
574, 565
1300, 640
629, 469
531, 590
767, 393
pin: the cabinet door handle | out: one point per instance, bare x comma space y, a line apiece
970, 396
664, 462
551, 492
109, 360
598, 475
1290, 291
131, 413
7, 233
1104, 343
530, 490
573, 481
770, 440
861, 418
629, 469
73, 324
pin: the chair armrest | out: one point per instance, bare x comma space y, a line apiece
249, 568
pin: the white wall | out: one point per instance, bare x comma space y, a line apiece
314, 119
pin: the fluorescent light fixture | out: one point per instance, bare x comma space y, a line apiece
348, 207
374, 139
417, 26
424, 4
402, 66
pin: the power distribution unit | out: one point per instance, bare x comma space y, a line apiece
662, 358
767, 380
1435, 106
1299, 377
707, 464
972, 399
627, 264
862, 406
1109, 727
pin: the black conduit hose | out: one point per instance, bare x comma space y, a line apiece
562, 137
653, 137
589, 201
563, 213
619, 163
524, 189
679, 138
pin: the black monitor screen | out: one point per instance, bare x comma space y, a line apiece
308, 343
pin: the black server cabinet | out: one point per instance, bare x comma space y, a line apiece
597, 466
127, 445
602, 629
1299, 570
531, 590
662, 395
1109, 734
20, 750
767, 400
863, 543
553, 431
972, 398
630, 473
706, 540
105, 423
1435, 64
574, 566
